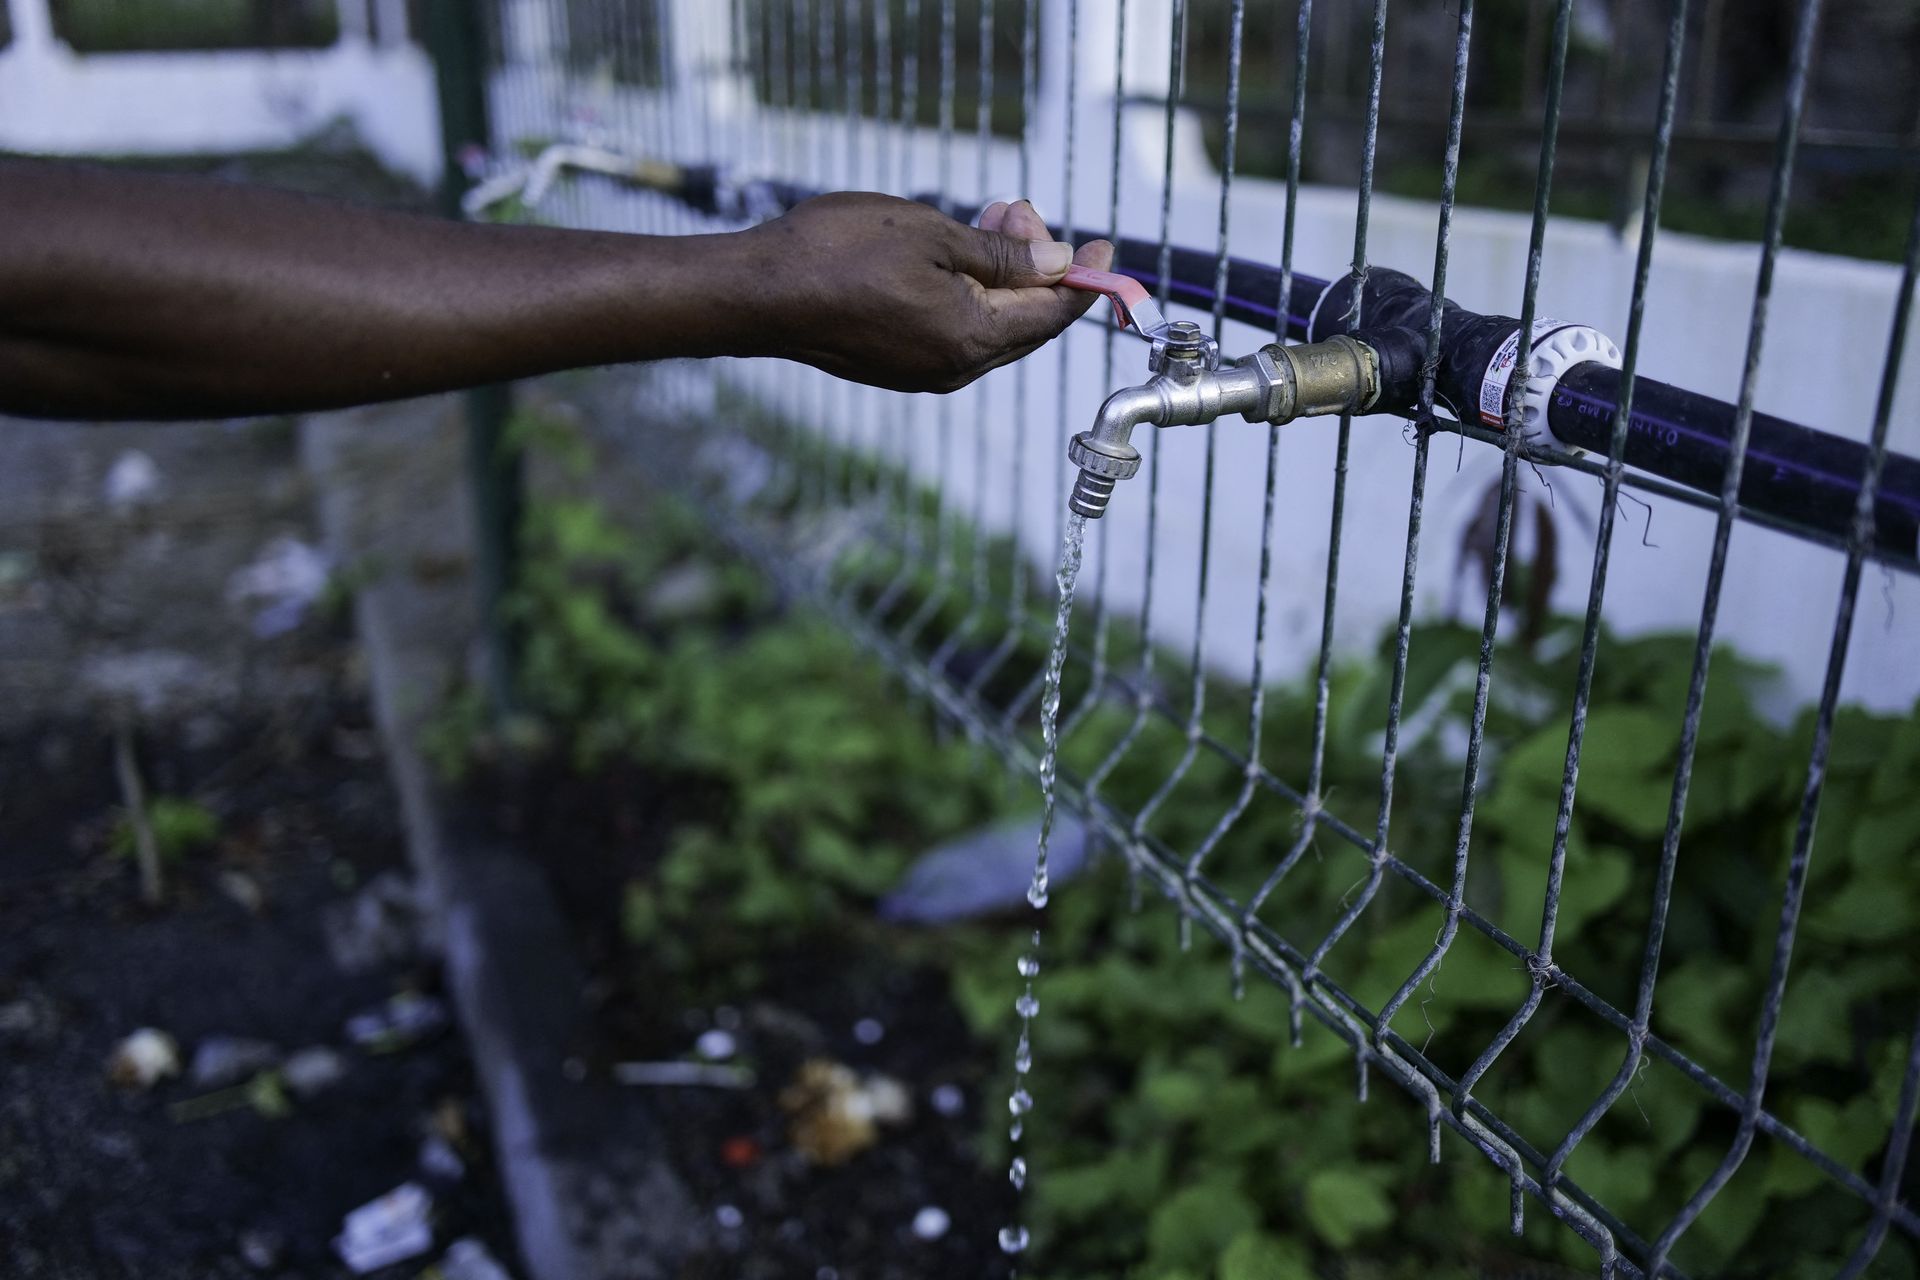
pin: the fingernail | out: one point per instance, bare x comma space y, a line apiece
1050, 257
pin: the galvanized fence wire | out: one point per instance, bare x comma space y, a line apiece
914, 601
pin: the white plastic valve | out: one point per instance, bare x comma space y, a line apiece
1557, 346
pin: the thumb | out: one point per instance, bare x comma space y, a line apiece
1001, 261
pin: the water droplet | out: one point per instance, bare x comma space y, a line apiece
1028, 966
948, 1100
869, 1031
729, 1217
1023, 1060
1015, 1129
1036, 937
1017, 1174
1027, 1005
1020, 1102
1037, 896
931, 1223
1013, 1239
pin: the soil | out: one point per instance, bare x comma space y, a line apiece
732, 1146
99, 1181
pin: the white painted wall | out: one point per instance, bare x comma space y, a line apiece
56, 102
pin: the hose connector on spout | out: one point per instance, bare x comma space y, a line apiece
1274, 385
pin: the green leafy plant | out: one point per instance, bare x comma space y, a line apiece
1158, 1088
180, 826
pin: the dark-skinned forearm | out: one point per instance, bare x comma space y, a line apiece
136, 295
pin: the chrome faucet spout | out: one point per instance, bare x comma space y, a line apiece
1275, 384
1105, 454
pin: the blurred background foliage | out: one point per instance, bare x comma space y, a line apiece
120, 26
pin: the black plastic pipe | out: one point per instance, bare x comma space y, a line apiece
1797, 473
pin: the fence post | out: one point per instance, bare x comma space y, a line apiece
458, 43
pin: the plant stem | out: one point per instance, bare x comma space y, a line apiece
134, 793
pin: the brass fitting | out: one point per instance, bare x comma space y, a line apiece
1339, 375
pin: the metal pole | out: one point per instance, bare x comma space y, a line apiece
458, 44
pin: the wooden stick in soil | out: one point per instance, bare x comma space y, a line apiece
146, 849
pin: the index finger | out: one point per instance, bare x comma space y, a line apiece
1024, 317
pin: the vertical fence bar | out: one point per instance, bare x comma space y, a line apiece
1322, 685
1197, 696
1509, 474
1541, 967
1799, 863
1702, 659
494, 469
943, 427
1893, 1166
1016, 560
1250, 783
1102, 615
1296, 133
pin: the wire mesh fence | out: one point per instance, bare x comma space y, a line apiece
1510, 862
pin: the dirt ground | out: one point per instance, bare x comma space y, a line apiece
847, 999
120, 549
98, 1180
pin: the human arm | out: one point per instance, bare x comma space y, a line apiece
133, 295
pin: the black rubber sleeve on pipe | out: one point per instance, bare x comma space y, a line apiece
1791, 471
1394, 305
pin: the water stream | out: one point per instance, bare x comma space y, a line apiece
1013, 1239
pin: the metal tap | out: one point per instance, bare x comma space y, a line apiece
1190, 387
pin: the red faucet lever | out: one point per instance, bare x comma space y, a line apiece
1132, 304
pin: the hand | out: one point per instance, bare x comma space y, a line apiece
895, 294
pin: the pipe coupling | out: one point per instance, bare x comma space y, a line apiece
1102, 463
1337, 375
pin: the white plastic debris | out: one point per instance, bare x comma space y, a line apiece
132, 481
984, 872
223, 1060
869, 1031
244, 890
888, 1100
708, 1075
313, 1070
931, 1223
375, 927
281, 584
716, 1045
388, 1230
404, 1019
948, 1100
835, 1114
468, 1259
143, 1059
684, 591
262, 1250
439, 1160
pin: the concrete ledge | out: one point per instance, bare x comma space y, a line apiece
594, 1194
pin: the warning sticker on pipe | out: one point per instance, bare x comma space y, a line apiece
1493, 385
